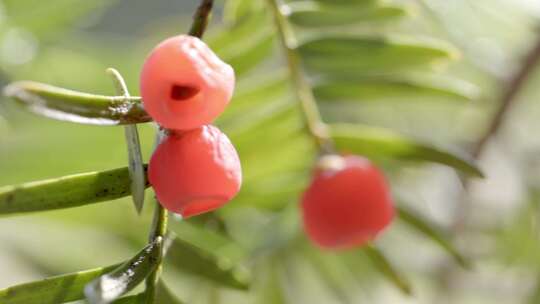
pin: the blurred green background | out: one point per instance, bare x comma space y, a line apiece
70, 43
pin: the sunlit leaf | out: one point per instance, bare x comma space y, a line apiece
272, 192
283, 124
312, 14
241, 34
247, 59
255, 115
388, 270
137, 173
65, 192
263, 91
400, 88
46, 19
433, 233
67, 105
165, 296
54, 290
279, 232
331, 271
270, 289
235, 10
371, 54
246, 44
225, 250
123, 279
377, 142
208, 255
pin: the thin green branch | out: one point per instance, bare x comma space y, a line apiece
316, 127
159, 224
159, 229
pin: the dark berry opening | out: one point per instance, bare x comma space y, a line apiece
183, 92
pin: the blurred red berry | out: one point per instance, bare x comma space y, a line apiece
347, 203
184, 85
195, 171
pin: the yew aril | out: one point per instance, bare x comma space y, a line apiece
347, 204
184, 85
195, 171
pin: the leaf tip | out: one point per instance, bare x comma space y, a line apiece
11, 89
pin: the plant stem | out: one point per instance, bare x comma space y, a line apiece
312, 117
507, 100
159, 229
201, 17
508, 97
159, 226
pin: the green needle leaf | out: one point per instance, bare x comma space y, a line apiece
137, 173
65, 192
400, 88
332, 272
165, 296
123, 279
247, 59
53, 290
434, 233
136, 166
311, 14
387, 269
269, 287
371, 54
207, 254
67, 105
236, 10
376, 142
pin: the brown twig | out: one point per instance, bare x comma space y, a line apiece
201, 17
508, 97
507, 100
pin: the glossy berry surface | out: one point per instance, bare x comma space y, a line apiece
347, 203
184, 85
195, 171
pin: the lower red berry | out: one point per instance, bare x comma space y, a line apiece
347, 203
195, 171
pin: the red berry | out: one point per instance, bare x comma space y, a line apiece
347, 204
184, 85
195, 171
